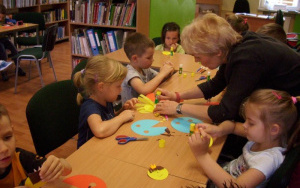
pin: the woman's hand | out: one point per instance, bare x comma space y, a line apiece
199, 143
166, 95
166, 107
130, 103
51, 169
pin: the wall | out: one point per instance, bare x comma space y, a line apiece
161, 11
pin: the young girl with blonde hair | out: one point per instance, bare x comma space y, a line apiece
270, 117
99, 85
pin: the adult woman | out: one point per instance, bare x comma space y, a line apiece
245, 64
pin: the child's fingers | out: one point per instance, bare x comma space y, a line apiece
49, 166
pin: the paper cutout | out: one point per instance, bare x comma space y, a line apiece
85, 181
151, 96
145, 104
34, 180
182, 124
166, 52
146, 127
157, 172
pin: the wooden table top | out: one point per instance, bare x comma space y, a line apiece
127, 165
188, 61
16, 28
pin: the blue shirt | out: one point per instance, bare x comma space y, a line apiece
88, 108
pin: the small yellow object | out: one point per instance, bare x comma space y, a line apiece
39, 184
158, 92
166, 53
161, 143
156, 114
184, 75
153, 166
192, 74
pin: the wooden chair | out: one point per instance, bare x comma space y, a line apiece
53, 115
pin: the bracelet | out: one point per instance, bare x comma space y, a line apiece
177, 97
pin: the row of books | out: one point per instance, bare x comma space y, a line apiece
51, 1
55, 15
75, 61
104, 12
18, 3
94, 41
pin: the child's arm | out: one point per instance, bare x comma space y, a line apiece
225, 128
53, 168
199, 145
106, 128
145, 88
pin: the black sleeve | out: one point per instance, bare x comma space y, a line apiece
243, 77
30, 161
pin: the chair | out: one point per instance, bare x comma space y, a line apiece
81, 65
282, 175
38, 53
157, 40
53, 115
30, 17
279, 18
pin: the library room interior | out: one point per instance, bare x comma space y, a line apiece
51, 53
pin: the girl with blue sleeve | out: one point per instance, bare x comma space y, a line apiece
100, 84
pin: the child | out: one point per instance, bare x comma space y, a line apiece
141, 79
238, 23
170, 35
273, 30
100, 84
5, 43
16, 163
269, 116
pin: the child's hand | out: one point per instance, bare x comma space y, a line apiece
51, 169
166, 69
166, 95
199, 143
213, 130
130, 103
127, 115
10, 23
174, 46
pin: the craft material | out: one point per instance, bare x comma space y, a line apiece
157, 172
192, 128
161, 143
123, 139
180, 69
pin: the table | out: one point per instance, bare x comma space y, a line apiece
127, 165
188, 61
4, 30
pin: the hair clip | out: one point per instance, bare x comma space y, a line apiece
82, 72
294, 99
278, 96
96, 78
245, 20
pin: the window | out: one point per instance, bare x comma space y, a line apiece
286, 4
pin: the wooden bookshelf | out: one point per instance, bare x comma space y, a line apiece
43, 7
141, 20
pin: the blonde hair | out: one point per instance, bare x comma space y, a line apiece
137, 44
98, 69
209, 35
238, 23
3, 112
275, 107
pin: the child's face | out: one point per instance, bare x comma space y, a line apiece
254, 127
112, 90
7, 143
171, 38
146, 59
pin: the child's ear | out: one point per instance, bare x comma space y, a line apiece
219, 53
134, 58
275, 129
100, 86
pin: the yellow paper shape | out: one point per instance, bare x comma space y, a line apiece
145, 105
39, 184
158, 174
166, 53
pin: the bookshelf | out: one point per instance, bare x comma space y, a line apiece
55, 11
99, 28
203, 6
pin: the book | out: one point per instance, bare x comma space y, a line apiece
119, 38
92, 41
112, 41
99, 38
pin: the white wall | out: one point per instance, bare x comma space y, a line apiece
228, 6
